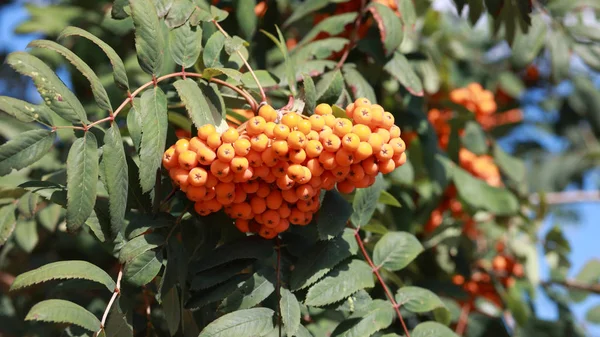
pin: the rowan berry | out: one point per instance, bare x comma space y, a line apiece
304, 192
213, 205
345, 187
370, 166
388, 120
274, 199
329, 120
206, 155
225, 200
251, 186
362, 102
386, 166
242, 210
323, 109
196, 193
280, 147
307, 175
296, 140
377, 113
220, 169
344, 157
271, 218
281, 131
211, 180
327, 160
304, 126
296, 172
181, 146
230, 135
362, 131
256, 125
317, 122
214, 140
263, 190
356, 173
297, 156
385, 134
350, 110
170, 159
210, 194
363, 151
341, 127
269, 129
376, 142
206, 130
386, 152
196, 144
398, 145
242, 146
313, 148
328, 180
312, 135
296, 216
254, 159
259, 142
188, 159
197, 176
341, 172
270, 178
239, 164
268, 113
280, 169
269, 157
285, 182
261, 171
179, 175
290, 119
395, 131
289, 195
331, 143
267, 233
242, 225
315, 182
350, 142
226, 152
362, 116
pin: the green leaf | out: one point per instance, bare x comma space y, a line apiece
25, 149
149, 43
378, 315
590, 54
211, 56
358, 85
233, 74
64, 270
233, 44
179, 13
26, 235
120, 9
288, 64
365, 202
390, 27
249, 294
98, 90
418, 299
27, 204
527, 46
134, 123
593, 315
409, 16
143, 268
115, 173
342, 282
310, 93
218, 14
117, 64
49, 216
7, 222
588, 275
479, 195
25, 111
154, 135
196, 104
246, 19
402, 71
332, 25
474, 138
202, 298
560, 51
140, 245
319, 49
395, 250
321, 258
61, 311
290, 312
306, 7
117, 325
330, 87
387, 198
82, 178
265, 78
244, 248
171, 304
162, 7
432, 329
511, 84
54, 92
185, 44
333, 215
241, 323
513, 167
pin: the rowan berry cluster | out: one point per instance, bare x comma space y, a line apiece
269, 173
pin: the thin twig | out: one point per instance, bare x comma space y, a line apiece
354, 36
278, 285
115, 294
574, 285
375, 269
262, 91
461, 326
568, 197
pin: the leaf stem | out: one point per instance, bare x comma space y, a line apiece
354, 37
262, 91
115, 294
375, 269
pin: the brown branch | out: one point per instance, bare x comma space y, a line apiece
574, 285
568, 197
354, 36
115, 294
380, 279
461, 326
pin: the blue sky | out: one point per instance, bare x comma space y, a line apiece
583, 236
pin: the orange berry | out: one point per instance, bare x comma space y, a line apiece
357, 173
329, 120
326, 131
230, 135
259, 142
181, 146
242, 225
315, 182
242, 210
296, 172
179, 176
239, 164
304, 192
226, 152
242, 146
280, 148
196, 144
290, 119
350, 110
370, 166
170, 159
398, 145
331, 143
267, 233
341, 172
344, 157
289, 195
304, 126
206, 156
345, 187
256, 125
220, 169
388, 120
296, 140
250, 186
323, 109
395, 131
313, 148
280, 169
499, 263
258, 205
376, 142
285, 182
305, 206
254, 159
362, 116
268, 113
270, 178
196, 193
387, 166
296, 216
188, 159
341, 127
214, 140
271, 218
327, 160
210, 193
225, 189
385, 134
362, 131
312, 135
350, 142
364, 182
269, 157
274, 199
307, 175
197, 176
363, 151
328, 180
206, 130
362, 102
377, 113
281, 131
263, 190
297, 156
269, 128
282, 226
317, 122
386, 152
211, 180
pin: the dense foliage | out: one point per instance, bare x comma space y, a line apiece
295, 168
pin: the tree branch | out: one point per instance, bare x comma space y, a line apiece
568, 197
115, 294
574, 285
